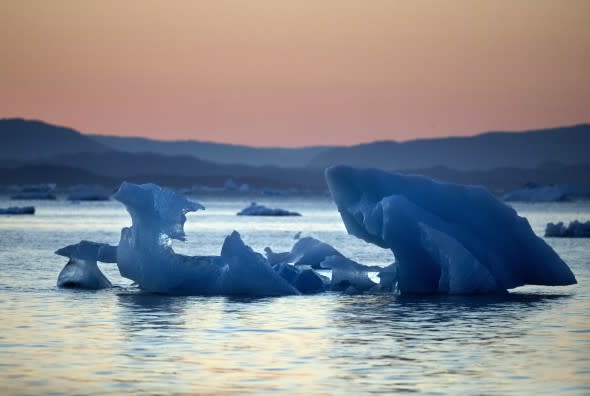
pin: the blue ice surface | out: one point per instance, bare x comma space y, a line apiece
306, 251
145, 255
446, 238
81, 271
306, 281
348, 274
311, 252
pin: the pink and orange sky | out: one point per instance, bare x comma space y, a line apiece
291, 73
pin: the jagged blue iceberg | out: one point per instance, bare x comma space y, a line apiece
446, 238
145, 255
311, 252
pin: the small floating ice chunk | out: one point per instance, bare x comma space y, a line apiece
260, 210
575, 229
82, 274
17, 210
310, 251
81, 271
446, 238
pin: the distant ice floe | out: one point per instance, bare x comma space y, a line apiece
575, 229
36, 191
88, 193
18, 210
81, 271
446, 238
260, 210
552, 193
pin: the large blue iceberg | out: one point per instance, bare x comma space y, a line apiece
145, 255
446, 238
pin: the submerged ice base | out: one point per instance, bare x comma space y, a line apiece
446, 238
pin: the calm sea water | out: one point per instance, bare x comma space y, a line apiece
536, 340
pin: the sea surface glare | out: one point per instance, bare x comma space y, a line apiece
536, 340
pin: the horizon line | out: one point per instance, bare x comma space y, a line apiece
360, 143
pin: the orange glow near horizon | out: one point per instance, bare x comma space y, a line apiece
280, 73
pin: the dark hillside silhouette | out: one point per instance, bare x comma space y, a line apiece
25, 140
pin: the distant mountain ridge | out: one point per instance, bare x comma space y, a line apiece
216, 152
526, 149
37, 152
122, 165
529, 149
25, 140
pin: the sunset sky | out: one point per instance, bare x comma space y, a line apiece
291, 73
